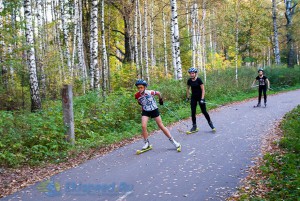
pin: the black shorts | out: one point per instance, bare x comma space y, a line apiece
152, 114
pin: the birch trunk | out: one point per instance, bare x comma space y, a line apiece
289, 12
173, 50
275, 30
236, 39
34, 86
165, 44
136, 49
104, 54
63, 7
80, 47
41, 51
94, 69
204, 39
57, 39
4, 68
141, 41
146, 41
176, 38
75, 21
193, 31
153, 63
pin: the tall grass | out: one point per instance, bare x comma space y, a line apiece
37, 138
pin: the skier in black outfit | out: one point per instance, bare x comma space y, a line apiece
263, 85
198, 93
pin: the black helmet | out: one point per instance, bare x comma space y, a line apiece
141, 82
260, 70
193, 70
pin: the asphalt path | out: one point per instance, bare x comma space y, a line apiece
209, 167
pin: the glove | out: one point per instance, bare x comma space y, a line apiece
161, 102
187, 99
202, 101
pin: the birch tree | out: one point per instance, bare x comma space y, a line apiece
176, 42
174, 56
275, 31
34, 86
136, 49
165, 44
64, 22
152, 58
236, 38
141, 40
41, 46
94, 69
204, 40
193, 32
146, 41
104, 53
3, 70
289, 13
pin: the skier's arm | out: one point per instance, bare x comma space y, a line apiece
188, 91
268, 83
203, 91
161, 102
253, 83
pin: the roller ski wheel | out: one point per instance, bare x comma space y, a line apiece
178, 148
190, 132
258, 105
214, 130
138, 152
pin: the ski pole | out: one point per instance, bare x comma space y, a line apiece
175, 115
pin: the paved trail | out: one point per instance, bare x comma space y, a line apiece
209, 167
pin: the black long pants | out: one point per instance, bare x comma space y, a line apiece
262, 89
202, 107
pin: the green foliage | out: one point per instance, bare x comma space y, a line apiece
37, 138
282, 170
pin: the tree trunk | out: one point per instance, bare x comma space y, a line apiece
41, 49
204, 39
173, 50
153, 63
176, 38
104, 54
289, 12
165, 44
193, 31
94, 69
275, 30
141, 42
63, 7
34, 86
236, 39
146, 41
136, 49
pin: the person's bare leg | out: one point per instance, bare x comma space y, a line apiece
162, 127
144, 127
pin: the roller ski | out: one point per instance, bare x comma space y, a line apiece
258, 105
212, 126
194, 129
176, 144
145, 148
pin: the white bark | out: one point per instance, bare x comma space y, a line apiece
173, 50
64, 21
193, 32
104, 54
136, 49
34, 86
204, 39
176, 38
75, 35
94, 69
275, 31
165, 44
57, 39
236, 39
41, 46
146, 41
141, 41
153, 63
